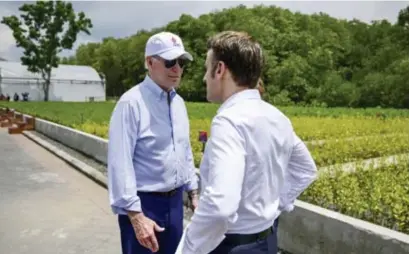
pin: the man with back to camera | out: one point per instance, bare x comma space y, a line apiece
253, 167
150, 161
296, 169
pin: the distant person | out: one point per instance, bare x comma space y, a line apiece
254, 166
25, 96
16, 97
8, 97
2, 97
150, 160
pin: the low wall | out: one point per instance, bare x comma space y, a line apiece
308, 229
313, 229
88, 144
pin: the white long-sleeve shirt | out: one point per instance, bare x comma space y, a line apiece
300, 173
251, 153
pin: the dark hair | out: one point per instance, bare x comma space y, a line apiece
240, 53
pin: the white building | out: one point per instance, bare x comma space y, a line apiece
68, 83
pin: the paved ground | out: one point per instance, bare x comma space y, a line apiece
48, 207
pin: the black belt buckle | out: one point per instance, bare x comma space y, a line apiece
264, 234
240, 239
171, 193
166, 194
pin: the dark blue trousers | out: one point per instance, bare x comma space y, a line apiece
167, 212
266, 246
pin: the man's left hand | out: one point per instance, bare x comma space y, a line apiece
193, 199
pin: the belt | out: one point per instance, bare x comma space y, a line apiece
162, 194
240, 239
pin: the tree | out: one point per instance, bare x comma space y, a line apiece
44, 29
310, 59
403, 18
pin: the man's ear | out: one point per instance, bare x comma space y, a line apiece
221, 69
146, 63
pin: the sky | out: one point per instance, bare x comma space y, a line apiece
125, 18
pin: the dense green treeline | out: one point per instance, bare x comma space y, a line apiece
310, 59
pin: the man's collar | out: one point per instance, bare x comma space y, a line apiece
157, 91
240, 96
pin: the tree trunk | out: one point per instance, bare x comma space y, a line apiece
46, 89
46, 85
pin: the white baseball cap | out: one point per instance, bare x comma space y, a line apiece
167, 45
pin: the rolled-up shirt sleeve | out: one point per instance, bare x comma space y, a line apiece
219, 200
301, 172
123, 131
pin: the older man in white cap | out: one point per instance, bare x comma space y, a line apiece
150, 161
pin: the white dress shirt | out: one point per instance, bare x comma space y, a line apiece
253, 167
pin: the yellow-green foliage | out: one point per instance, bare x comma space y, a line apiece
328, 153
378, 195
100, 130
318, 128
342, 151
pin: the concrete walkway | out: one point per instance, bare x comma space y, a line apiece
47, 206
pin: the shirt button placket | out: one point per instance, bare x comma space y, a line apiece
169, 101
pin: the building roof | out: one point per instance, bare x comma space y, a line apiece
66, 72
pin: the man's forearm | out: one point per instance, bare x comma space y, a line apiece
133, 215
193, 182
302, 171
192, 194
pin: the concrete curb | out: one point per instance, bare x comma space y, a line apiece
77, 164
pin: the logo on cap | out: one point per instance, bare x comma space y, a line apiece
175, 42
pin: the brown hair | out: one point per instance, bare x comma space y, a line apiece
241, 55
260, 87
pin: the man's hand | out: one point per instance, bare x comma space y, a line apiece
194, 199
145, 230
